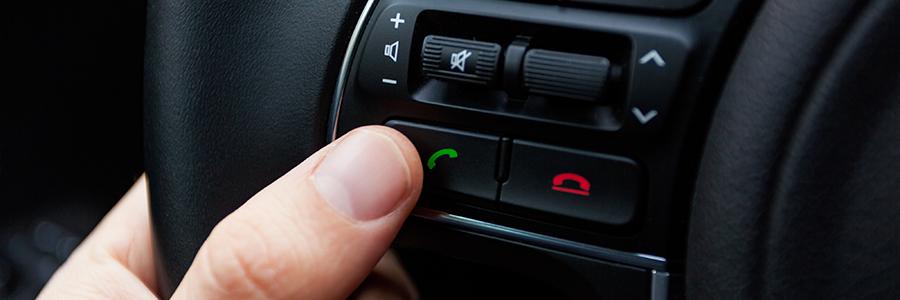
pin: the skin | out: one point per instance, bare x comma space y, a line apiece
318, 232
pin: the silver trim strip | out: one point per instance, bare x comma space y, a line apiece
659, 285
345, 69
633, 259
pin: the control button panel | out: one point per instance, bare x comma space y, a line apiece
572, 183
454, 160
523, 84
523, 70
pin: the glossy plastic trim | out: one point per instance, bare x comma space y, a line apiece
345, 69
654, 263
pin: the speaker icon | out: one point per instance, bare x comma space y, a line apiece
390, 50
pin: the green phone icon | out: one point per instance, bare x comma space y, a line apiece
432, 161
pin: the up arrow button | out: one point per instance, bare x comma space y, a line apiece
654, 56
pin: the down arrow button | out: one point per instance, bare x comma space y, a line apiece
642, 117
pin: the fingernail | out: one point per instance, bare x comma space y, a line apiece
365, 176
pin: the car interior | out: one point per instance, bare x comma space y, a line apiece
572, 149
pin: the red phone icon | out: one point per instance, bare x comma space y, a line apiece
584, 186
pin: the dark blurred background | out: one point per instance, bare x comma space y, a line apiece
70, 128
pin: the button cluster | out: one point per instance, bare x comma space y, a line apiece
386, 53
537, 71
566, 182
533, 71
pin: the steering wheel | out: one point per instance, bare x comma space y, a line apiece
784, 186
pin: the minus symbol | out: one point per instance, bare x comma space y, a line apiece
389, 81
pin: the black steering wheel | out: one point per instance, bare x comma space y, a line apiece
784, 184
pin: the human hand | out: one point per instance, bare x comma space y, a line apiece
315, 233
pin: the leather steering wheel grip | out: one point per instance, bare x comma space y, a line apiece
236, 94
797, 195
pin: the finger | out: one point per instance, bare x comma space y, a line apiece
316, 232
116, 260
387, 281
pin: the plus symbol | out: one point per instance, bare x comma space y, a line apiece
397, 21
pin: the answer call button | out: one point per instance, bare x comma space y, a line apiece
457, 161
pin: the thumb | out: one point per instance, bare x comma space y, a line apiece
316, 232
